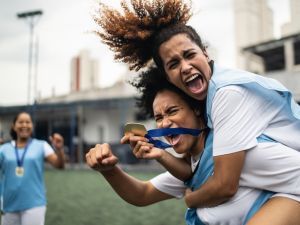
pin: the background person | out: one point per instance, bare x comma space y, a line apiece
22, 168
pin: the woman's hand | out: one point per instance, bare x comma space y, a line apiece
101, 158
57, 141
187, 196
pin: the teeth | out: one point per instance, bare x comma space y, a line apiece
192, 78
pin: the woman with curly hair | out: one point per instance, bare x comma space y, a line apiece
168, 104
241, 107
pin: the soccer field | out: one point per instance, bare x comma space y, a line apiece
83, 197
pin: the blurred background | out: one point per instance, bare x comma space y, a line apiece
53, 65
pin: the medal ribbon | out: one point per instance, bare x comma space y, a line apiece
20, 161
169, 131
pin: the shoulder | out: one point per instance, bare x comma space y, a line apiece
36, 142
223, 76
7, 144
41, 144
231, 94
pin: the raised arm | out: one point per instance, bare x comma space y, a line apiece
132, 190
57, 159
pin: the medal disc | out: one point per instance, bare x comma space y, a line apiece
19, 171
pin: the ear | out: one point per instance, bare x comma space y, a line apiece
206, 54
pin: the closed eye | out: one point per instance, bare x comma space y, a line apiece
189, 54
172, 111
172, 64
158, 118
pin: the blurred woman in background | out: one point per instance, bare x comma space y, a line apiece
22, 168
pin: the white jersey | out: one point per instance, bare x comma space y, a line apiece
232, 212
238, 118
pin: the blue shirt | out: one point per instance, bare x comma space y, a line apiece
27, 191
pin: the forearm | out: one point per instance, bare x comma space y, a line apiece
210, 194
222, 185
60, 163
127, 187
178, 167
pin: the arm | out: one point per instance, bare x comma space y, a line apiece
235, 127
222, 185
132, 190
178, 167
57, 159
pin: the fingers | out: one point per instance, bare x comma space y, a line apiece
142, 149
125, 139
130, 138
188, 191
57, 141
100, 157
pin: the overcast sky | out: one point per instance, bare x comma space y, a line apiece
64, 29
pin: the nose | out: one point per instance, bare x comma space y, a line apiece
185, 67
166, 122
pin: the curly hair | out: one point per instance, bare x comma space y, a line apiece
130, 34
153, 81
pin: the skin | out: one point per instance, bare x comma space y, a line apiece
141, 193
24, 127
135, 192
182, 59
169, 110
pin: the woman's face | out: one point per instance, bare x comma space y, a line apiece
171, 111
23, 126
186, 65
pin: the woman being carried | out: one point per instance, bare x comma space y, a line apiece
241, 107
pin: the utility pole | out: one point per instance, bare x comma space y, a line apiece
31, 18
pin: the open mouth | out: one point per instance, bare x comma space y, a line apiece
173, 139
195, 83
24, 131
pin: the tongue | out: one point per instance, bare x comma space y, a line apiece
195, 85
174, 140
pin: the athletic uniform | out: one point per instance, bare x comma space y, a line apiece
241, 107
26, 191
232, 212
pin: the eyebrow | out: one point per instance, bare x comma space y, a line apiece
171, 108
184, 53
171, 61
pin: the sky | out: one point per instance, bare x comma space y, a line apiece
65, 28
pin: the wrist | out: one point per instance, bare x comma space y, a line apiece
161, 156
188, 200
109, 171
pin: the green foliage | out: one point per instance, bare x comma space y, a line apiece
83, 197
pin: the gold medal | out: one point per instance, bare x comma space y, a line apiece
135, 128
19, 171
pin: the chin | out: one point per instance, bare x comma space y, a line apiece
179, 151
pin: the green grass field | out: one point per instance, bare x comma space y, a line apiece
83, 197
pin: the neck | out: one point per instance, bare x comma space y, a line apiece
21, 142
200, 145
